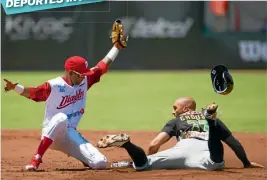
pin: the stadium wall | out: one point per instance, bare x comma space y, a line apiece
162, 35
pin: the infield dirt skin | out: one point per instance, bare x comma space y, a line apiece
19, 146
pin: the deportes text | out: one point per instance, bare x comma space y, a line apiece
21, 3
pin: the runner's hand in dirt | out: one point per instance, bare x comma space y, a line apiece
9, 85
255, 165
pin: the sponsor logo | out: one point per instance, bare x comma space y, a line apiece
253, 51
160, 28
67, 100
75, 114
25, 27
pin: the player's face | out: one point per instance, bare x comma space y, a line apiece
76, 78
179, 108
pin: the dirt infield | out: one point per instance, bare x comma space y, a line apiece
19, 146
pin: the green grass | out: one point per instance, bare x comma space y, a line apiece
143, 100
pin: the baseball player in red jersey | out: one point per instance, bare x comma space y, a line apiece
65, 99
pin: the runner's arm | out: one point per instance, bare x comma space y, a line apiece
227, 137
159, 140
166, 133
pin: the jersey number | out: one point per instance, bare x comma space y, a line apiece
199, 125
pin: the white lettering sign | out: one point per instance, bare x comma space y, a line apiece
253, 51
161, 28
25, 27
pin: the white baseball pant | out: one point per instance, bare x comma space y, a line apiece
71, 142
186, 154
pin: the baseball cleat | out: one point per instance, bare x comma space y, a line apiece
212, 108
34, 164
211, 111
113, 140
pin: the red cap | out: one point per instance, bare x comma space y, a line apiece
78, 64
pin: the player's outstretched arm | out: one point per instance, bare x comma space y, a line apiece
112, 54
23, 91
235, 145
103, 65
38, 94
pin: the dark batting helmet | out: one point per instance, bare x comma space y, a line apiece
222, 80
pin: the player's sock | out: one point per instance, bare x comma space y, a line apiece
214, 143
137, 154
44, 145
216, 150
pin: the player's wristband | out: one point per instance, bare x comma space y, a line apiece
112, 54
19, 89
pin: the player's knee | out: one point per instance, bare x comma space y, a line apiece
60, 119
57, 126
99, 163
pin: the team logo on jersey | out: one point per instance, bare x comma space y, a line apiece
61, 88
67, 100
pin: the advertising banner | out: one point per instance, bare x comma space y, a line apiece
171, 39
